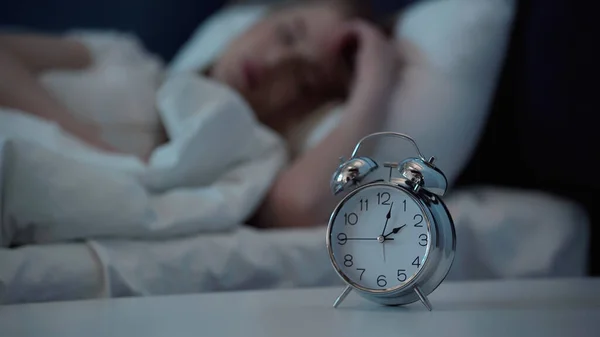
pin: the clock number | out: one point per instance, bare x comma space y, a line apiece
423, 241
342, 239
364, 205
381, 281
401, 276
417, 262
404, 202
383, 198
351, 219
348, 260
420, 217
361, 273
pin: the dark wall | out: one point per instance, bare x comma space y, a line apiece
544, 125
163, 25
544, 133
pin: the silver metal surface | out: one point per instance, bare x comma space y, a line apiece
388, 134
381, 239
342, 296
417, 171
423, 299
413, 171
351, 173
391, 166
417, 184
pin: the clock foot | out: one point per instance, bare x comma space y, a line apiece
423, 299
342, 296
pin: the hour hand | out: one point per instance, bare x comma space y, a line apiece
394, 231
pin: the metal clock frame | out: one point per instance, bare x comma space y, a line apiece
440, 252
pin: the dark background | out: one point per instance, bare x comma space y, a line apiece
542, 133
163, 25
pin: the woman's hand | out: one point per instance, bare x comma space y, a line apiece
300, 195
376, 62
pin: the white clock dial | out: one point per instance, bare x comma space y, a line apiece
379, 238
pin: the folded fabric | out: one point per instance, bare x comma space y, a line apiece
117, 93
210, 176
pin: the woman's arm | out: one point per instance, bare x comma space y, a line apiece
301, 195
22, 57
43, 52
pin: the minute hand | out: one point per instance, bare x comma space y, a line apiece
394, 231
387, 218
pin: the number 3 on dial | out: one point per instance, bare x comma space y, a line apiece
423, 240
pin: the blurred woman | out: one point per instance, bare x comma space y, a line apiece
299, 57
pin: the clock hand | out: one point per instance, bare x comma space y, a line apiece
366, 239
394, 231
387, 218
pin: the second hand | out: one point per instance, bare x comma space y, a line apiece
387, 218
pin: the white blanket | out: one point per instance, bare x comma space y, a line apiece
211, 175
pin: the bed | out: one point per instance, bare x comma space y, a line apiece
501, 233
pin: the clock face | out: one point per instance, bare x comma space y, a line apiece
379, 238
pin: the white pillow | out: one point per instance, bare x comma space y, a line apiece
442, 101
213, 35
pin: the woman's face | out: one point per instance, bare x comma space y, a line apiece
287, 64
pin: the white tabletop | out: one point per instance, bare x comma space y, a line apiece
511, 308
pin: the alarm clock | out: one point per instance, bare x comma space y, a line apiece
391, 240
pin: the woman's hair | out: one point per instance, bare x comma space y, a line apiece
358, 9
351, 8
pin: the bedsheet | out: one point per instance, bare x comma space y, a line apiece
551, 242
